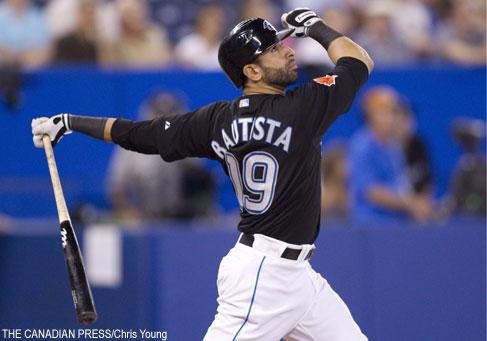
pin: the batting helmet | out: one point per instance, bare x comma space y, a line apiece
245, 42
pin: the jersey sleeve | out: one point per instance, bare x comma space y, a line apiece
325, 98
187, 135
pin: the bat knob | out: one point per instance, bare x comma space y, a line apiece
88, 317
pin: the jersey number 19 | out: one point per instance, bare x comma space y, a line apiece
259, 176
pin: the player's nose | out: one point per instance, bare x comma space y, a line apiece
289, 52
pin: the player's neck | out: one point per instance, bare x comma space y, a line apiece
259, 89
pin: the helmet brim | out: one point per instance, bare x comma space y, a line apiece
281, 35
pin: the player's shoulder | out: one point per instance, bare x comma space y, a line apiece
213, 109
319, 84
215, 106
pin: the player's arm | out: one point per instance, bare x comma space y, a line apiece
131, 135
174, 137
307, 24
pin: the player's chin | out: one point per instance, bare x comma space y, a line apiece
293, 76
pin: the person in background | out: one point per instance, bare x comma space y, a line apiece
258, 9
142, 188
334, 185
80, 45
462, 40
379, 185
199, 50
377, 34
418, 162
341, 18
61, 16
141, 43
467, 190
24, 34
412, 23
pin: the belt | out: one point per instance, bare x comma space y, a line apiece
288, 253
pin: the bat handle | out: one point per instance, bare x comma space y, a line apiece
56, 182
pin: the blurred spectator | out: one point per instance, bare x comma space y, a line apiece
334, 189
10, 84
463, 40
379, 183
24, 34
412, 23
467, 192
312, 58
199, 49
142, 188
81, 45
438, 8
61, 16
259, 9
377, 35
315, 5
140, 42
417, 158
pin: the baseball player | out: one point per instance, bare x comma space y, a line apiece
268, 142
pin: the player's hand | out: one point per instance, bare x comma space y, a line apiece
301, 19
55, 127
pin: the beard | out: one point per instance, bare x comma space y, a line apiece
281, 78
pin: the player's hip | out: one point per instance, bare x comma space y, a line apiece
243, 264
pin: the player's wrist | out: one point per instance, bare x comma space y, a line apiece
323, 33
66, 122
91, 126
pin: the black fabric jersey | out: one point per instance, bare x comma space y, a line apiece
269, 145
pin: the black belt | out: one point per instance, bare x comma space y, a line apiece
293, 254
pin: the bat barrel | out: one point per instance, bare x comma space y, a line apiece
80, 288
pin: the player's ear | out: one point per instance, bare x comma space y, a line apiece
253, 72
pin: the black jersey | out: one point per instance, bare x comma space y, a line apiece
269, 146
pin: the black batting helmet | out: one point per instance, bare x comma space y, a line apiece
245, 43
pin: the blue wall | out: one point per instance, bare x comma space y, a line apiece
438, 95
406, 284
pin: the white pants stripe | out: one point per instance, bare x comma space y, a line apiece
252, 300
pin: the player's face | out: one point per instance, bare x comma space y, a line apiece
279, 66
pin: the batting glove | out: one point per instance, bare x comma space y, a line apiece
301, 19
55, 127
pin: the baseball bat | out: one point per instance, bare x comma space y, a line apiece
80, 288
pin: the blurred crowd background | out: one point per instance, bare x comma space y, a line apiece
186, 33
383, 170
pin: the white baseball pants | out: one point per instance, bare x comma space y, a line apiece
263, 297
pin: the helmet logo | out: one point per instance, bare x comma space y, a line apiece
268, 26
246, 36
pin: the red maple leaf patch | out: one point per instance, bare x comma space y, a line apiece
327, 80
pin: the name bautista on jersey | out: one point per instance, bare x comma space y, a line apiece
258, 128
